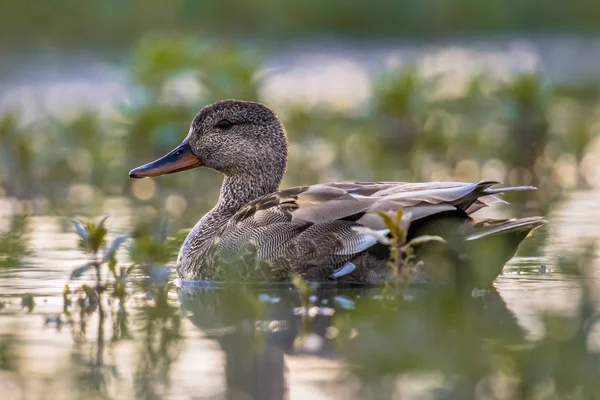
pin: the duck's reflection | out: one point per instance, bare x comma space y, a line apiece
377, 333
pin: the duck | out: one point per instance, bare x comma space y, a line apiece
326, 232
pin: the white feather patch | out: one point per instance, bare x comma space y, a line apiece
366, 238
343, 270
379, 235
360, 196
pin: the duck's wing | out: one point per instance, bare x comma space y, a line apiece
359, 202
316, 224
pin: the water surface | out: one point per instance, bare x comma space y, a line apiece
261, 342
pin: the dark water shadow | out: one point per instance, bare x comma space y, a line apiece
376, 333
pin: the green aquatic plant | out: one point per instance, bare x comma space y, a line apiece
161, 335
405, 131
403, 92
17, 155
66, 300
158, 58
14, 244
401, 100
304, 288
526, 99
92, 240
28, 302
151, 244
92, 372
160, 340
229, 71
406, 119
9, 360
403, 259
152, 249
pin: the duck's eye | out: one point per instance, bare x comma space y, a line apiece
224, 124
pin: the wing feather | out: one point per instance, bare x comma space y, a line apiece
314, 223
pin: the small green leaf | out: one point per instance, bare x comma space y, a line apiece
97, 235
102, 221
399, 213
112, 267
389, 222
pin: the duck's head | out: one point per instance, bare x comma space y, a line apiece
233, 137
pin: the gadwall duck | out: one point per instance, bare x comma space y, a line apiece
256, 232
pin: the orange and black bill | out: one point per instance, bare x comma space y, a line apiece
180, 159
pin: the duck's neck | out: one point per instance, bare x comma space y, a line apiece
239, 190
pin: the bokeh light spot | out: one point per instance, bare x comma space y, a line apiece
143, 189
175, 205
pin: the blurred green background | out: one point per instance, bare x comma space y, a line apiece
114, 24
410, 90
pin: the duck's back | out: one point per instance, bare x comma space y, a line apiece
326, 231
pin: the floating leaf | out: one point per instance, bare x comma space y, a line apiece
77, 272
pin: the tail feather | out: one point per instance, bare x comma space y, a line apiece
509, 189
488, 228
484, 194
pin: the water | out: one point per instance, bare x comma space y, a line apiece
266, 342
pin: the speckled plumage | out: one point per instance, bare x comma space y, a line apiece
256, 232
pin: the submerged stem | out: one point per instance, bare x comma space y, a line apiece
100, 344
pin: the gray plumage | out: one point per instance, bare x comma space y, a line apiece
256, 232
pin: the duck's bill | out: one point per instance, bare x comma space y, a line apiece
180, 159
